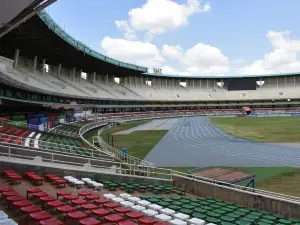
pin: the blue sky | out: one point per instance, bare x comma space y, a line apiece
189, 37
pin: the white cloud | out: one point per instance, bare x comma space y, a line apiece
172, 71
129, 32
205, 59
172, 52
198, 60
141, 53
159, 16
282, 59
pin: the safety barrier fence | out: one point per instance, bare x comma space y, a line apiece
38, 144
17, 152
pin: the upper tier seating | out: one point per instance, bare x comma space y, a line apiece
201, 89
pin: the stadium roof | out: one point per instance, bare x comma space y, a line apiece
221, 76
41, 36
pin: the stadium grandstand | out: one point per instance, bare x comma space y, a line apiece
54, 173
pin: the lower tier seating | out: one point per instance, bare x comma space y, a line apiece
149, 204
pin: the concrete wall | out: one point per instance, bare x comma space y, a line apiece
22, 168
250, 200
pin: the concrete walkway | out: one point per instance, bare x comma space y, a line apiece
195, 142
159, 124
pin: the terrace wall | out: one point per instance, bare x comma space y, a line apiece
61, 172
252, 200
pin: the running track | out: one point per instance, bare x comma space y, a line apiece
195, 142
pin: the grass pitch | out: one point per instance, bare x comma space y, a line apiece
262, 129
138, 143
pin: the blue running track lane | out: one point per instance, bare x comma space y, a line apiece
196, 142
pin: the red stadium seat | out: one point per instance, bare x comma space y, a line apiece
122, 210
84, 193
55, 204
52, 221
70, 197
40, 194
127, 222
89, 221
91, 197
101, 212
23, 203
30, 209
77, 215
39, 216
79, 201
113, 218
147, 220
32, 191
62, 193
110, 205
101, 201
89, 207
46, 199
134, 215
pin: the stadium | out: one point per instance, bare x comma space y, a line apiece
124, 145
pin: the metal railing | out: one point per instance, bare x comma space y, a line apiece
41, 145
24, 154
110, 149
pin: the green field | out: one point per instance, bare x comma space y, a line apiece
262, 129
138, 143
277, 179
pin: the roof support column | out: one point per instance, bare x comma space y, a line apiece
80, 73
94, 77
107, 78
34, 64
16, 58
193, 83
222, 84
166, 82
73, 74
129, 81
285, 81
59, 70
135, 81
125, 81
142, 81
43, 66
260, 79
173, 83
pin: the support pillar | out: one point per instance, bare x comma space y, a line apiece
59, 70
34, 64
94, 77
80, 72
16, 58
43, 66
73, 74
107, 78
